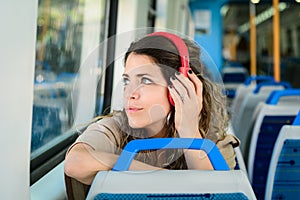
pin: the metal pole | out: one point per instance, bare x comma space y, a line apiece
276, 41
252, 40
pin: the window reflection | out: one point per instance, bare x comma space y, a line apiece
59, 47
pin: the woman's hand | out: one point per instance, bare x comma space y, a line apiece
187, 95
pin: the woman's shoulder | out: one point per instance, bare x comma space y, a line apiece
107, 124
112, 121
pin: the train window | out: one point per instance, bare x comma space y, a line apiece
67, 31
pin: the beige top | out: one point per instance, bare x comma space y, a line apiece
105, 134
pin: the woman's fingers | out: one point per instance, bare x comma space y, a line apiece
191, 85
175, 95
196, 81
180, 88
187, 105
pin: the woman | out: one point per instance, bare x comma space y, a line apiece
150, 75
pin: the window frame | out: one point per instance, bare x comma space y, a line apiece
49, 156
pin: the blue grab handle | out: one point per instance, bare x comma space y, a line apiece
286, 85
276, 94
258, 78
297, 120
134, 146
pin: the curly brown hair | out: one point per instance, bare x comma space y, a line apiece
213, 117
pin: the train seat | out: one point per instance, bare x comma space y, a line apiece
178, 184
283, 176
232, 78
241, 91
270, 117
234, 74
251, 100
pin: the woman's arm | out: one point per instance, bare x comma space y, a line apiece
187, 95
83, 162
197, 159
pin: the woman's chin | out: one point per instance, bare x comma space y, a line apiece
136, 124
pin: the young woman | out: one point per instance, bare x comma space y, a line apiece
150, 75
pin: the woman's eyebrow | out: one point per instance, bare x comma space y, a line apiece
144, 74
138, 75
125, 75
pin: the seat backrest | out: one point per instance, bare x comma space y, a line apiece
243, 89
234, 74
283, 175
251, 100
232, 77
268, 123
240, 94
175, 184
122, 183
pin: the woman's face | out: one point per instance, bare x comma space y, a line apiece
145, 94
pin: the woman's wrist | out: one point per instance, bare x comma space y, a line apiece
195, 134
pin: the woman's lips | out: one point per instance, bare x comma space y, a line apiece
133, 109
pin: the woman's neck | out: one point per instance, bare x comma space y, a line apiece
160, 134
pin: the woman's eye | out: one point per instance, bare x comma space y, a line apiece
125, 81
146, 81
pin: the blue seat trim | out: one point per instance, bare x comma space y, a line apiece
297, 120
230, 93
263, 84
277, 94
215, 196
133, 147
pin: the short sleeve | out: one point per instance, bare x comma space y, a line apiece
103, 136
226, 147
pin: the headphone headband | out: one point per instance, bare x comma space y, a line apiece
180, 45
182, 50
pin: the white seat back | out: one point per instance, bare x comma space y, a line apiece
263, 111
172, 182
246, 112
269, 120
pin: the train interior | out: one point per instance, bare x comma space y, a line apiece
61, 66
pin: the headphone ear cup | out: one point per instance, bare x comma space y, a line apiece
171, 99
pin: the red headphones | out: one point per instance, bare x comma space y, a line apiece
182, 50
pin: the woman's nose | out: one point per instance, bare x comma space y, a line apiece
132, 93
